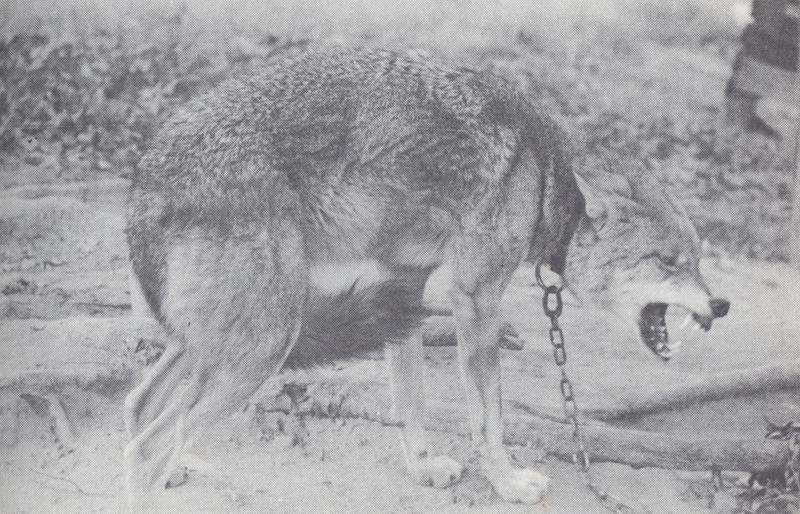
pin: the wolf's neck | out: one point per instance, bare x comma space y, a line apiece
562, 208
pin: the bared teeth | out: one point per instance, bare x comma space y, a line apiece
653, 329
669, 350
686, 321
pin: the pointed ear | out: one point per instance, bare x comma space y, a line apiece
652, 198
595, 207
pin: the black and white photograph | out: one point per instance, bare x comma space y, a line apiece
395, 257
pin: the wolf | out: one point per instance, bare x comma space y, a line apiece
294, 215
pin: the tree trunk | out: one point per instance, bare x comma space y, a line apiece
794, 226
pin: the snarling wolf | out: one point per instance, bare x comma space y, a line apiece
636, 251
312, 200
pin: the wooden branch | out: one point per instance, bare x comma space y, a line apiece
90, 191
348, 396
62, 428
745, 382
440, 330
639, 449
75, 351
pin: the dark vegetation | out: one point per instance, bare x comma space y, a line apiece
84, 100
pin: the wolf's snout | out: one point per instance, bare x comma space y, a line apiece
719, 307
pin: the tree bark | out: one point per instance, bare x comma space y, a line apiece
794, 226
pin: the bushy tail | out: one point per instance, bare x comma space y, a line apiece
353, 322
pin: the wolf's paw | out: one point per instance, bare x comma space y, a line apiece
521, 485
439, 472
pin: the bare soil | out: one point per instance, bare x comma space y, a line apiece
68, 338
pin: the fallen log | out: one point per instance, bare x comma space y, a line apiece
713, 387
71, 365
440, 330
46, 355
111, 193
350, 395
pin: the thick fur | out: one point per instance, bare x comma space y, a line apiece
357, 321
373, 152
251, 192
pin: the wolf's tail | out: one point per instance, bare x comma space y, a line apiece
356, 321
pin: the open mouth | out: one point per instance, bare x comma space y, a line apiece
653, 329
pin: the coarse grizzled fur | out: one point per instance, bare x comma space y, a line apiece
258, 201
394, 146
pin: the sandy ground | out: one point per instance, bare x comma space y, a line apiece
65, 274
339, 466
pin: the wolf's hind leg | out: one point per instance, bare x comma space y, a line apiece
151, 455
151, 398
158, 381
236, 301
406, 372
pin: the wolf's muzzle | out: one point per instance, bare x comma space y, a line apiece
719, 308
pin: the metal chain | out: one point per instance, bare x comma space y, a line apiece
553, 305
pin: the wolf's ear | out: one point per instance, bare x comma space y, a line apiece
595, 207
650, 195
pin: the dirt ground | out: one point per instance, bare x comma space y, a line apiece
340, 467
68, 341
65, 342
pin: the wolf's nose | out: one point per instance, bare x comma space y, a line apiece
719, 307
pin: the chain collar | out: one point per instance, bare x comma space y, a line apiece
553, 305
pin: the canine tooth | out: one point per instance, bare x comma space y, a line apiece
686, 321
696, 326
674, 346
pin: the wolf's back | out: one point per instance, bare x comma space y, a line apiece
340, 143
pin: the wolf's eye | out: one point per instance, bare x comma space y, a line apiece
673, 261
670, 261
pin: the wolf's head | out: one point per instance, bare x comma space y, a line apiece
636, 252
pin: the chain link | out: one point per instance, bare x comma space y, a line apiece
553, 305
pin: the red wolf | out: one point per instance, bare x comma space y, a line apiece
254, 197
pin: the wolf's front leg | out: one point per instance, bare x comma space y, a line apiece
476, 309
406, 373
